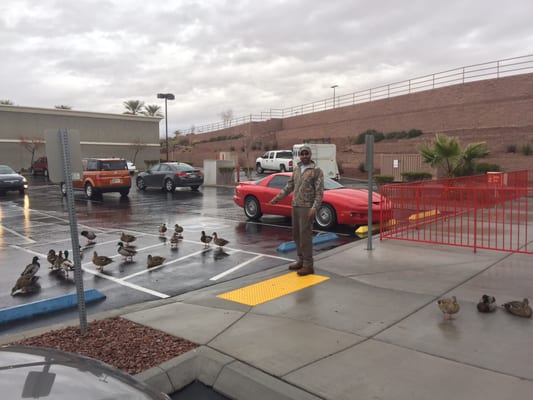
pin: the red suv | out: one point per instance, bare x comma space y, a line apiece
102, 175
40, 166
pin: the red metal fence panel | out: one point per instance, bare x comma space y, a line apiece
492, 211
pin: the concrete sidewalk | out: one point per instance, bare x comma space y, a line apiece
372, 331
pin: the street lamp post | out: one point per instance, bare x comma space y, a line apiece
166, 96
333, 87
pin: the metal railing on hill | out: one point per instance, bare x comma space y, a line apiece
493, 212
470, 73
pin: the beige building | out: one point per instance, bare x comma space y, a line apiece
132, 137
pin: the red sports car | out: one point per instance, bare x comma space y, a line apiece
340, 204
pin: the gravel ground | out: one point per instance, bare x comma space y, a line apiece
125, 345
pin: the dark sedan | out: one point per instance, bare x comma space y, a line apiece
11, 181
170, 175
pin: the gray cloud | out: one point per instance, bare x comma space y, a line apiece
242, 55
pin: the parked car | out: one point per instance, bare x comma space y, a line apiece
40, 166
102, 175
39, 372
340, 204
131, 167
10, 180
170, 175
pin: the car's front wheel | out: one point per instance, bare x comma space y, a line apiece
140, 184
258, 169
169, 185
89, 191
63, 187
252, 208
326, 218
33, 172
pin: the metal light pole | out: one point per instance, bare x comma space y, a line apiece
333, 87
166, 96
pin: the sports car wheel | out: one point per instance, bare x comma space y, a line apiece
252, 208
326, 218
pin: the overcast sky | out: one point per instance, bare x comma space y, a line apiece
246, 56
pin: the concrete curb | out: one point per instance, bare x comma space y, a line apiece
224, 374
47, 306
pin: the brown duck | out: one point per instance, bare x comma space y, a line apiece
89, 235
101, 261
518, 308
154, 261
448, 306
127, 238
220, 242
127, 252
205, 239
162, 230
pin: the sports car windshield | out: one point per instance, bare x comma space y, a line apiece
280, 181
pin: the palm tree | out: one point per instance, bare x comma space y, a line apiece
445, 153
152, 110
133, 107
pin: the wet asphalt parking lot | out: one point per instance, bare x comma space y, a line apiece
39, 221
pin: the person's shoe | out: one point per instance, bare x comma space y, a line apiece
295, 266
306, 271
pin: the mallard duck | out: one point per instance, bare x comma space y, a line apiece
487, 304
58, 262
205, 239
51, 257
127, 238
154, 261
67, 265
127, 252
174, 241
220, 242
163, 230
179, 230
32, 268
101, 261
25, 284
518, 308
448, 306
89, 235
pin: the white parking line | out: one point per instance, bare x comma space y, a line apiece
18, 234
229, 271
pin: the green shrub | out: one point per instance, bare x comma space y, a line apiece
415, 176
526, 149
414, 133
511, 148
383, 179
362, 167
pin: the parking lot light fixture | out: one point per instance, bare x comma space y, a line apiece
333, 87
166, 96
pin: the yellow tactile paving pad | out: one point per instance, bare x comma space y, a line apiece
271, 289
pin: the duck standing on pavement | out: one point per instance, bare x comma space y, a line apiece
127, 238
205, 239
448, 306
90, 236
220, 242
162, 230
101, 261
179, 230
27, 282
127, 252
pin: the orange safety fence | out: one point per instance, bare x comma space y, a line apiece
492, 211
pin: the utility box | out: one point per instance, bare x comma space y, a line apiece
324, 155
219, 172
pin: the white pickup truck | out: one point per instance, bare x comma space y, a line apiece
275, 160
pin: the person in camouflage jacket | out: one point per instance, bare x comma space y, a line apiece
307, 183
